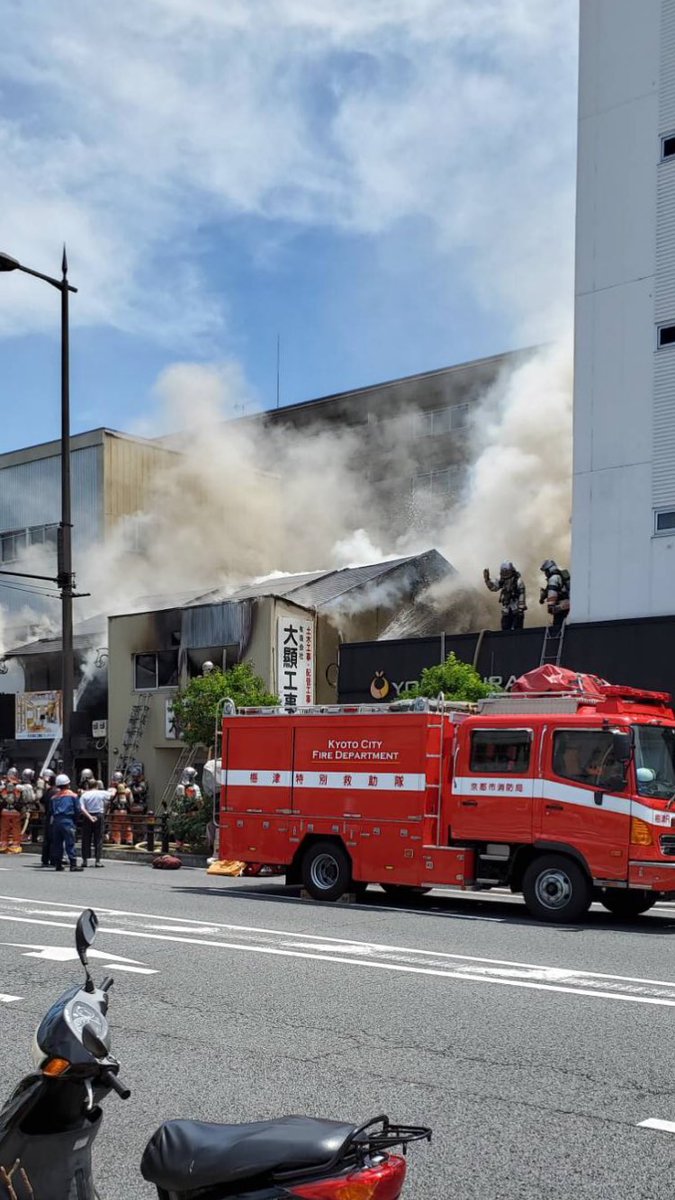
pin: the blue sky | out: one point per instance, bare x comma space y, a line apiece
387, 184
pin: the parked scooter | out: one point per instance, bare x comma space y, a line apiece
48, 1127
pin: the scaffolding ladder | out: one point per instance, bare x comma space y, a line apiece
552, 646
132, 734
185, 759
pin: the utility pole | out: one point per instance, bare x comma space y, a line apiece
65, 564
64, 570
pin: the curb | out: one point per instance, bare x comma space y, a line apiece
140, 857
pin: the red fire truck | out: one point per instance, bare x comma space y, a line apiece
562, 790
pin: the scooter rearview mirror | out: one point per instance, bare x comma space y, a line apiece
85, 932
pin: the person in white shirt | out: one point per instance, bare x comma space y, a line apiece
94, 803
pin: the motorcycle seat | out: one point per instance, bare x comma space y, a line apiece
183, 1156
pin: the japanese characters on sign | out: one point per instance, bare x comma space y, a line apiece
295, 661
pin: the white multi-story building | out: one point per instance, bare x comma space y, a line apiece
623, 544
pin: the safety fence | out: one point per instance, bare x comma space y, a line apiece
142, 830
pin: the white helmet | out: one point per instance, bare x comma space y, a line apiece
505, 568
27, 775
118, 777
86, 775
12, 773
62, 781
48, 775
189, 774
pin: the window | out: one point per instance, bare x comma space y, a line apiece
435, 421
664, 522
587, 756
500, 751
655, 761
436, 483
15, 541
156, 670
668, 145
12, 544
666, 335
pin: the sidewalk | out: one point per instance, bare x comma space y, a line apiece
129, 854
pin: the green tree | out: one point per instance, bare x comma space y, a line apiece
196, 705
457, 680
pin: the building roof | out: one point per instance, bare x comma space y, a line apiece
318, 589
92, 632
78, 441
351, 393
310, 589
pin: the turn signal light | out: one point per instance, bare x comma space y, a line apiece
55, 1066
383, 1182
640, 833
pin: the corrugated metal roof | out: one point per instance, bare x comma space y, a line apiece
312, 589
92, 632
328, 588
52, 646
274, 585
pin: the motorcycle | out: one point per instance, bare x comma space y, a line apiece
50, 1122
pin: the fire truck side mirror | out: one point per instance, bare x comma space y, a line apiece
622, 745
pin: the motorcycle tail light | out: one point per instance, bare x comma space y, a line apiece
640, 833
381, 1182
55, 1066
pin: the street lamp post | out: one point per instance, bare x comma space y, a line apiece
64, 577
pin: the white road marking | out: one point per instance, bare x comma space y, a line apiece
403, 959
68, 954
351, 945
6, 999
654, 1123
117, 966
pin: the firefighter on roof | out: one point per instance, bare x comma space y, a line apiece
555, 593
511, 588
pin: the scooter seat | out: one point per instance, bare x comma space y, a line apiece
183, 1156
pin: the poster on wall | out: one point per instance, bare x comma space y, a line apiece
295, 661
38, 715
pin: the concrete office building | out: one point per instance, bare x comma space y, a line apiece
111, 473
411, 436
623, 523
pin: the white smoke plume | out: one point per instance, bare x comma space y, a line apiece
235, 503
516, 505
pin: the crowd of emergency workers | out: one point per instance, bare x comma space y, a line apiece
93, 812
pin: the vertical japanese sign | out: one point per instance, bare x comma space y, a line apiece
295, 661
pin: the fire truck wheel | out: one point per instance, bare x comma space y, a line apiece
326, 871
556, 888
628, 904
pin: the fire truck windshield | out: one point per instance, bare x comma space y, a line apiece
655, 760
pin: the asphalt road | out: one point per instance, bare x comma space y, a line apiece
533, 1052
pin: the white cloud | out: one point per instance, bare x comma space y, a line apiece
126, 128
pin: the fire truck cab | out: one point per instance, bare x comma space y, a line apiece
563, 795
